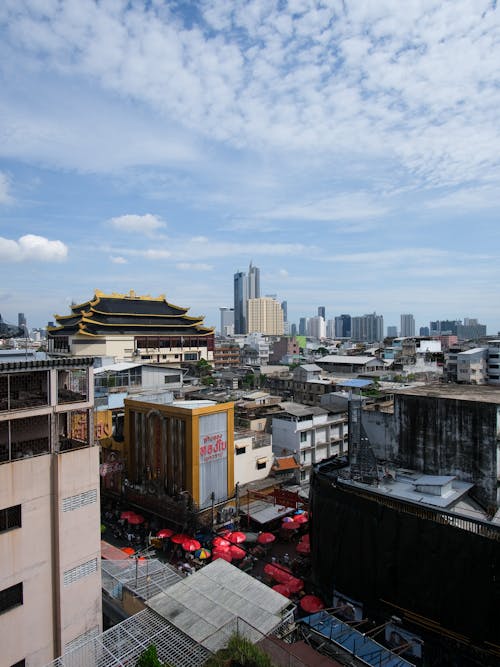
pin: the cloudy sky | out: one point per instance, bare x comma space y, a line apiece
350, 149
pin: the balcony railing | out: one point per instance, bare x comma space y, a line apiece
24, 449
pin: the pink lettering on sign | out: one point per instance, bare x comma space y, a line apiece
212, 448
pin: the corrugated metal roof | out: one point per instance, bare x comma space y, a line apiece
204, 604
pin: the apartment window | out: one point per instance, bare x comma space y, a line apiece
190, 356
10, 518
11, 597
80, 571
261, 463
19, 663
240, 450
303, 437
303, 475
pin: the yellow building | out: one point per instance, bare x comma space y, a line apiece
181, 448
265, 316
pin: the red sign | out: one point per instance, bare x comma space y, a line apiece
286, 498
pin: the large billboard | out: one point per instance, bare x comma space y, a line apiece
213, 458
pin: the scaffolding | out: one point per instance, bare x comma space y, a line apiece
122, 645
144, 578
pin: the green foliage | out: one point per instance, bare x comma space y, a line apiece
207, 380
241, 652
149, 658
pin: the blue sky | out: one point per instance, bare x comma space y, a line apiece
350, 149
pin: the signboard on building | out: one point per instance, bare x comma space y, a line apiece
78, 426
212, 454
287, 498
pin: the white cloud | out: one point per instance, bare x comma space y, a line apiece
140, 224
416, 82
5, 197
283, 273
31, 247
191, 266
118, 260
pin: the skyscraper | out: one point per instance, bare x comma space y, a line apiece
265, 316
245, 287
322, 312
303, 326
240, 303
407, 327
368, 328
343, 326
226, 321
253, 289
284, 308
392, 332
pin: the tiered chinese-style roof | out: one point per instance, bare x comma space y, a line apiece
128, 314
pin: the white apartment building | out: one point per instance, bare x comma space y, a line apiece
265, 316
310, 434
50, 584
494, 362
253, 456
316, 327
472, 366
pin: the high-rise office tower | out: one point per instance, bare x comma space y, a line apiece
245, 287
284, 308
407, 327
331, 328
322, 312
343, 326
424, 331
253, 289
303, 326
21, 320
293, 329
240, 303
392, 332
226, 321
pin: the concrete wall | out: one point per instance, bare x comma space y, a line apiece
380, 427
79, 541
49, 542
446, 436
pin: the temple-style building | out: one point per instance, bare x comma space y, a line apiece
129, 327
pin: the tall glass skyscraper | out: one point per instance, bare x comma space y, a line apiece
245, 287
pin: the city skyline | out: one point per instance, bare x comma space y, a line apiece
350, 152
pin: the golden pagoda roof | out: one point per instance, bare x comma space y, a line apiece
128, 314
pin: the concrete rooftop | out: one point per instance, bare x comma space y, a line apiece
458, 392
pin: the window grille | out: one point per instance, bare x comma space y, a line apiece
80, 500
10, 517
80, 571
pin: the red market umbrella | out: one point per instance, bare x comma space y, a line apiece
311, 604
128, 550
305, 538
287, 519
266, 538
220, 553
281, 588
190, 545
126, 513
135, 519
301, 518
165, 532
303, 548
179, 538
236, 537
290, 525
236, 552
221, 542
294, 584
